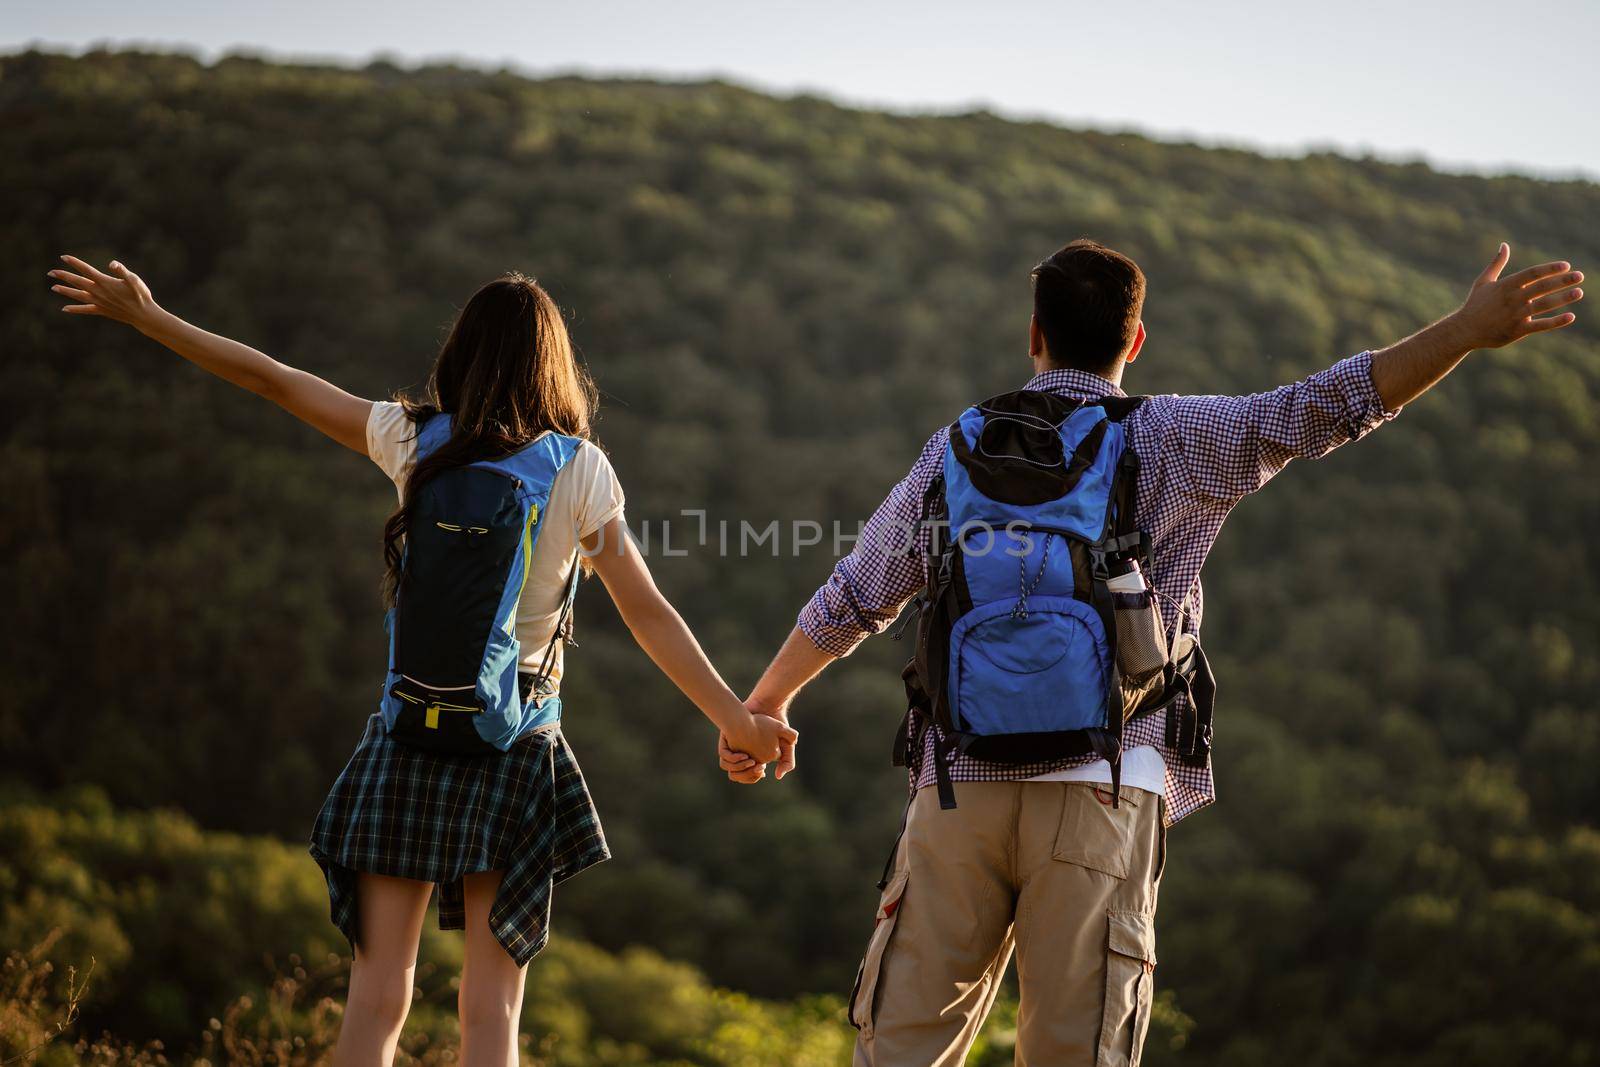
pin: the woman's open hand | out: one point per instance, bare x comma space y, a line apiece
123, 296
120, 295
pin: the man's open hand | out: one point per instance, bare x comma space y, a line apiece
1500, 310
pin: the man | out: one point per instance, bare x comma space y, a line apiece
1043, 858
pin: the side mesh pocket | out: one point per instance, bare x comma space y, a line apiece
864, 997
1130, 988
1141, 637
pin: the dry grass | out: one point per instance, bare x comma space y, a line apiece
294, 1024
36, 1009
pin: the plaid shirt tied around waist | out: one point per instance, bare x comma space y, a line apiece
1198, 456
432, 817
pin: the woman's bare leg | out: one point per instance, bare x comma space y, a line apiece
390, 912
491, 984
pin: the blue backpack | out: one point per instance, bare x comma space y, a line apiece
453, 684
1025, 651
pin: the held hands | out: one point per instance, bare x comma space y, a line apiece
741, 763
1500, 310
759, 740
120, 295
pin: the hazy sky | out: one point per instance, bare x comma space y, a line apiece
1468, 84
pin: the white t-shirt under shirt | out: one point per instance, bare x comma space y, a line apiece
586, 495
1142, 768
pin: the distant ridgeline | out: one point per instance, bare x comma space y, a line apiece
780, 299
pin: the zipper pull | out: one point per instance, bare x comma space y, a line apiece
913, 610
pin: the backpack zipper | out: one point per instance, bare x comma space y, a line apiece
527, 564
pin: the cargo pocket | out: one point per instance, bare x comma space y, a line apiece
1093, 834
864, 997
1130, 988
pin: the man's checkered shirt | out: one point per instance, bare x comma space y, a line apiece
1199, 456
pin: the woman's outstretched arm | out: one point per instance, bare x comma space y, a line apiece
122, 295
665, 638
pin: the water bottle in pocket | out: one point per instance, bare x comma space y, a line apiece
1141, 635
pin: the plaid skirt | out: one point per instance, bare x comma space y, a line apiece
408, 814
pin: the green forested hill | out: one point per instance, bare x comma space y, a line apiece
780, 299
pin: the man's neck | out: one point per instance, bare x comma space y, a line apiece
1114, 376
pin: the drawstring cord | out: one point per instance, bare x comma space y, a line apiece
1025, 587
1025, 420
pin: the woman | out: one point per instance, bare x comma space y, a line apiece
495, 814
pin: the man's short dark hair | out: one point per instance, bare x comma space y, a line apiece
1087, 299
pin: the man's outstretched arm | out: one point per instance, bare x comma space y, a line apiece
1226, 447
1497, 312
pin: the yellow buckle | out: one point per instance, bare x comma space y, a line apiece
431, 717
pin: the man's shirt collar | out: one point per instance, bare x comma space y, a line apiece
1069, 382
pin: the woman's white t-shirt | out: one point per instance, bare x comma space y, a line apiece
586, 495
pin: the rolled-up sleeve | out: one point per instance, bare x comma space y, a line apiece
1233, 445
870, 586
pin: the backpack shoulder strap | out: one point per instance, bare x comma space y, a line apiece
1120, 407
543, 458
432, 431
555, 451
563, 631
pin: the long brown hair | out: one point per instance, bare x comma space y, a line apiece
505, 374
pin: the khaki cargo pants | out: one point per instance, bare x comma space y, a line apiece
1047, 868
